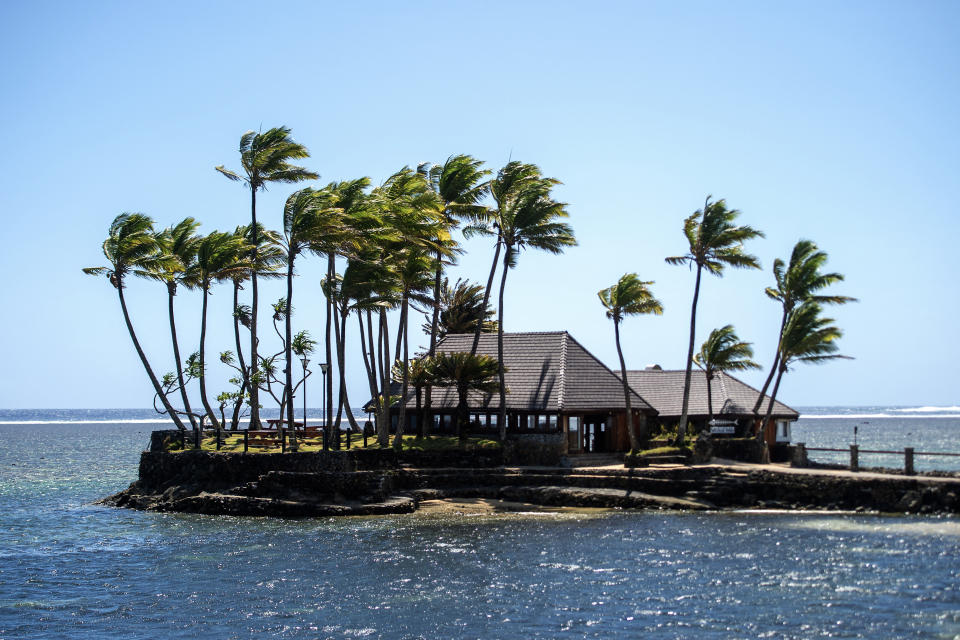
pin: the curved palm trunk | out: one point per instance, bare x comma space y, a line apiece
761, 436
146, 364
709, 377
773, 369
434, 325
462, 412
405, 387
502, 420
254, 388
369, 366
682, 427
486, 299
328, 418
383, 437
341, 339
203, 369
171, 291
288, 354
244, 374
634, 440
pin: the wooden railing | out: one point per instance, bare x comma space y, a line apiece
271, 438
908, 453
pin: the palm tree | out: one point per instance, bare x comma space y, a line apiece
179, 245
630, 296
461, 311
723, 351
269, 259
265, 158
467, 372
131, 247
220, 256
796, 282
420, 376
715, 242
525, 216
807, 338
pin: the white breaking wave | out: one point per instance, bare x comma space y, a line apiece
927, 409
858, 416
146, 421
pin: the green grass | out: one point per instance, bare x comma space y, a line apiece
233, 442
664, 451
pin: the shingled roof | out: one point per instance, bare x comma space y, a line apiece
731, 397
546, 371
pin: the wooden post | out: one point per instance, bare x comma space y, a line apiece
219, 439
283, 440
854, 458
365, 435
326, 438
197, 438
183, 440
246, 439
799, 455
908, 461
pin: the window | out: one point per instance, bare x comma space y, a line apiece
552, 422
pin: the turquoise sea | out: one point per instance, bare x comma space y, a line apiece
72, 570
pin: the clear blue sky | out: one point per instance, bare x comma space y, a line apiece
831, 121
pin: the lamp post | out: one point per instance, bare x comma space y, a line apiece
305, 361
326, 434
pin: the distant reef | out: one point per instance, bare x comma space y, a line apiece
375, 482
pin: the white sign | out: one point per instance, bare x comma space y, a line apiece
722, 429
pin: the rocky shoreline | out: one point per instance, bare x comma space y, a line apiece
313, 485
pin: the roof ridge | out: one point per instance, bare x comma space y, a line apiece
563, 369
609, 370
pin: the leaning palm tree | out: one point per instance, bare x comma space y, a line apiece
715, 242
220, 256
265, 158
179, 245
525, 215
807, 338
131, 247
419, 376
630, 296
798, 281
467, 372
723, 351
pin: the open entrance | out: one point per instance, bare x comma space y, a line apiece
589, 434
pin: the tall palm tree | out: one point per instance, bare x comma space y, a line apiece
723, 351
419, 376
630, 296
715, 242
131, 247
269, 263
265, 157
525, 215
798, 281
460, 186
467, 372
179, 245
303, 216
220, 256
807, 338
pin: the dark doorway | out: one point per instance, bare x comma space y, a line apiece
595, 434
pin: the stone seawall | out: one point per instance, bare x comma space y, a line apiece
378, 481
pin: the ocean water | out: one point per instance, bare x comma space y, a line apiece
71, 569
926, 429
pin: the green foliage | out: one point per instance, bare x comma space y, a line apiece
715, 241
724, 351
461, 308
630, 296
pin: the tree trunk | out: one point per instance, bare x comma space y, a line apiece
766, 420
634, 440
254, 388
709, 376
502, 420
405, 386
383, 437
146, 364
486, 299
244, 373
331, 274
341, 338
288, 351
462, 412
371, 376
172, 291
203, 365
773, 369
682, 427
434, 325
